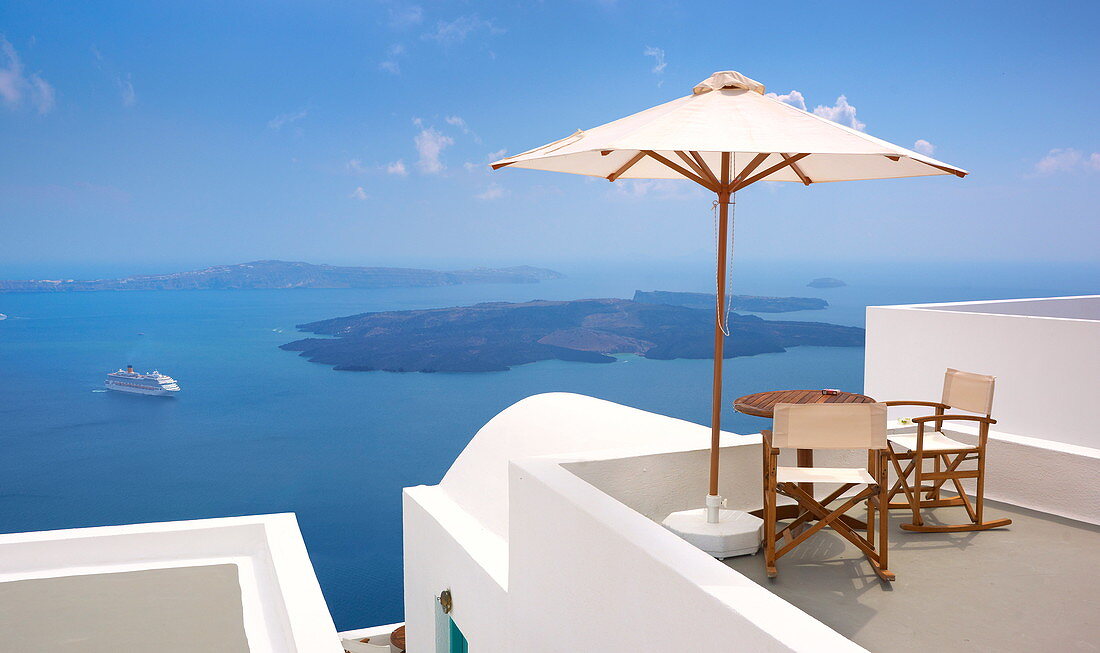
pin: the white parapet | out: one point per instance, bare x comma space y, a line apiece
239, 583
1044, 451
547, 534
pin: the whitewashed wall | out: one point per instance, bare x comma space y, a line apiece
1044, 452
540, 559
590, 574
1047, 368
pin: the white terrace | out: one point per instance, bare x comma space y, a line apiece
546, 533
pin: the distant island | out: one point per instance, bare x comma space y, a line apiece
826, 282
496, 336
752, 303
285, 274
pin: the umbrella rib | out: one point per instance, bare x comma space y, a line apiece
692, 164
629, 164
957, 173
798, 171
703, 165
753, 165
779, 166
682, 170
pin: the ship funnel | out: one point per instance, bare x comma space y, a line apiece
130, 369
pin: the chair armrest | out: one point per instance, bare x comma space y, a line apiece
930, 404
940, 418
766, 435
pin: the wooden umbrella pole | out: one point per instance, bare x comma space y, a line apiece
719, 341
719, 332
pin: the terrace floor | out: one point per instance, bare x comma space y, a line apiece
1029, 587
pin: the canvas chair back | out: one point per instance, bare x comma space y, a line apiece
968, 391
829, 426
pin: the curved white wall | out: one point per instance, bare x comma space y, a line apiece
555, 424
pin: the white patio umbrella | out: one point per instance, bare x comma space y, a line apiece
725, 136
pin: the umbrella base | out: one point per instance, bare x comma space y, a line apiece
736, 533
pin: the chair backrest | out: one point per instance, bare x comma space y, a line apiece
829, 426
968, 391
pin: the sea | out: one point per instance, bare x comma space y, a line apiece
260, 430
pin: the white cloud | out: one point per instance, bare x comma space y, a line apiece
459, 29
397, 168
407, 16
794, 98
924, 147
16, 86
278, 122
494, 191
42, 95
430, 144
126, 89
1067, 159
356, 166
391, 64
841, 112
489, 158
658, 55
125, 83
358, 194
456, 121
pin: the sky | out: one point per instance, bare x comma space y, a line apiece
167, 135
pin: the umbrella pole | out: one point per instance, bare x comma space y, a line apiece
713, 500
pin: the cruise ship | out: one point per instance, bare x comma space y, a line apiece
153, 383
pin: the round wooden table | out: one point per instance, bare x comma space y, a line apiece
397, 638
762, 404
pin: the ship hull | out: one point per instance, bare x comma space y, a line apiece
154, 392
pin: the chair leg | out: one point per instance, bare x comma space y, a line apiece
900, 485
935, 493
769, 517
975, 513
914, 496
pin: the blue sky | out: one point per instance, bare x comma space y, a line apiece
195, 133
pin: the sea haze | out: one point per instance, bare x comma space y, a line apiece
257, 429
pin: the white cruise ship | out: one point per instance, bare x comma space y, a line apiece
153, 383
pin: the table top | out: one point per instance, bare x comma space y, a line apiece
397, 638
762, 404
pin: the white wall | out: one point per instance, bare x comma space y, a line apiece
1047, 369
283, 608
445, 548
550, 424
1044, 452
540, 559
590, 574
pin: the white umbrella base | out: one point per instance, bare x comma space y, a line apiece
736, 533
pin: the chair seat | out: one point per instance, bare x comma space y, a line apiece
823, 475
933, 441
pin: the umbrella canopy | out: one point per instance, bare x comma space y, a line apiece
725, 136
728, 112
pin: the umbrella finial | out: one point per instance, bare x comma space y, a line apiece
727, 79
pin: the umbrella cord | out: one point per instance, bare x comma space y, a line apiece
724, 325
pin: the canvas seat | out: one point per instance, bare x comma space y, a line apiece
823, 475
933, 441
965, 391
827, 426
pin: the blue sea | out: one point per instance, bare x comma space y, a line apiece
260, 430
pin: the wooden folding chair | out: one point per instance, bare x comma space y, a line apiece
826, 426
961, 391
